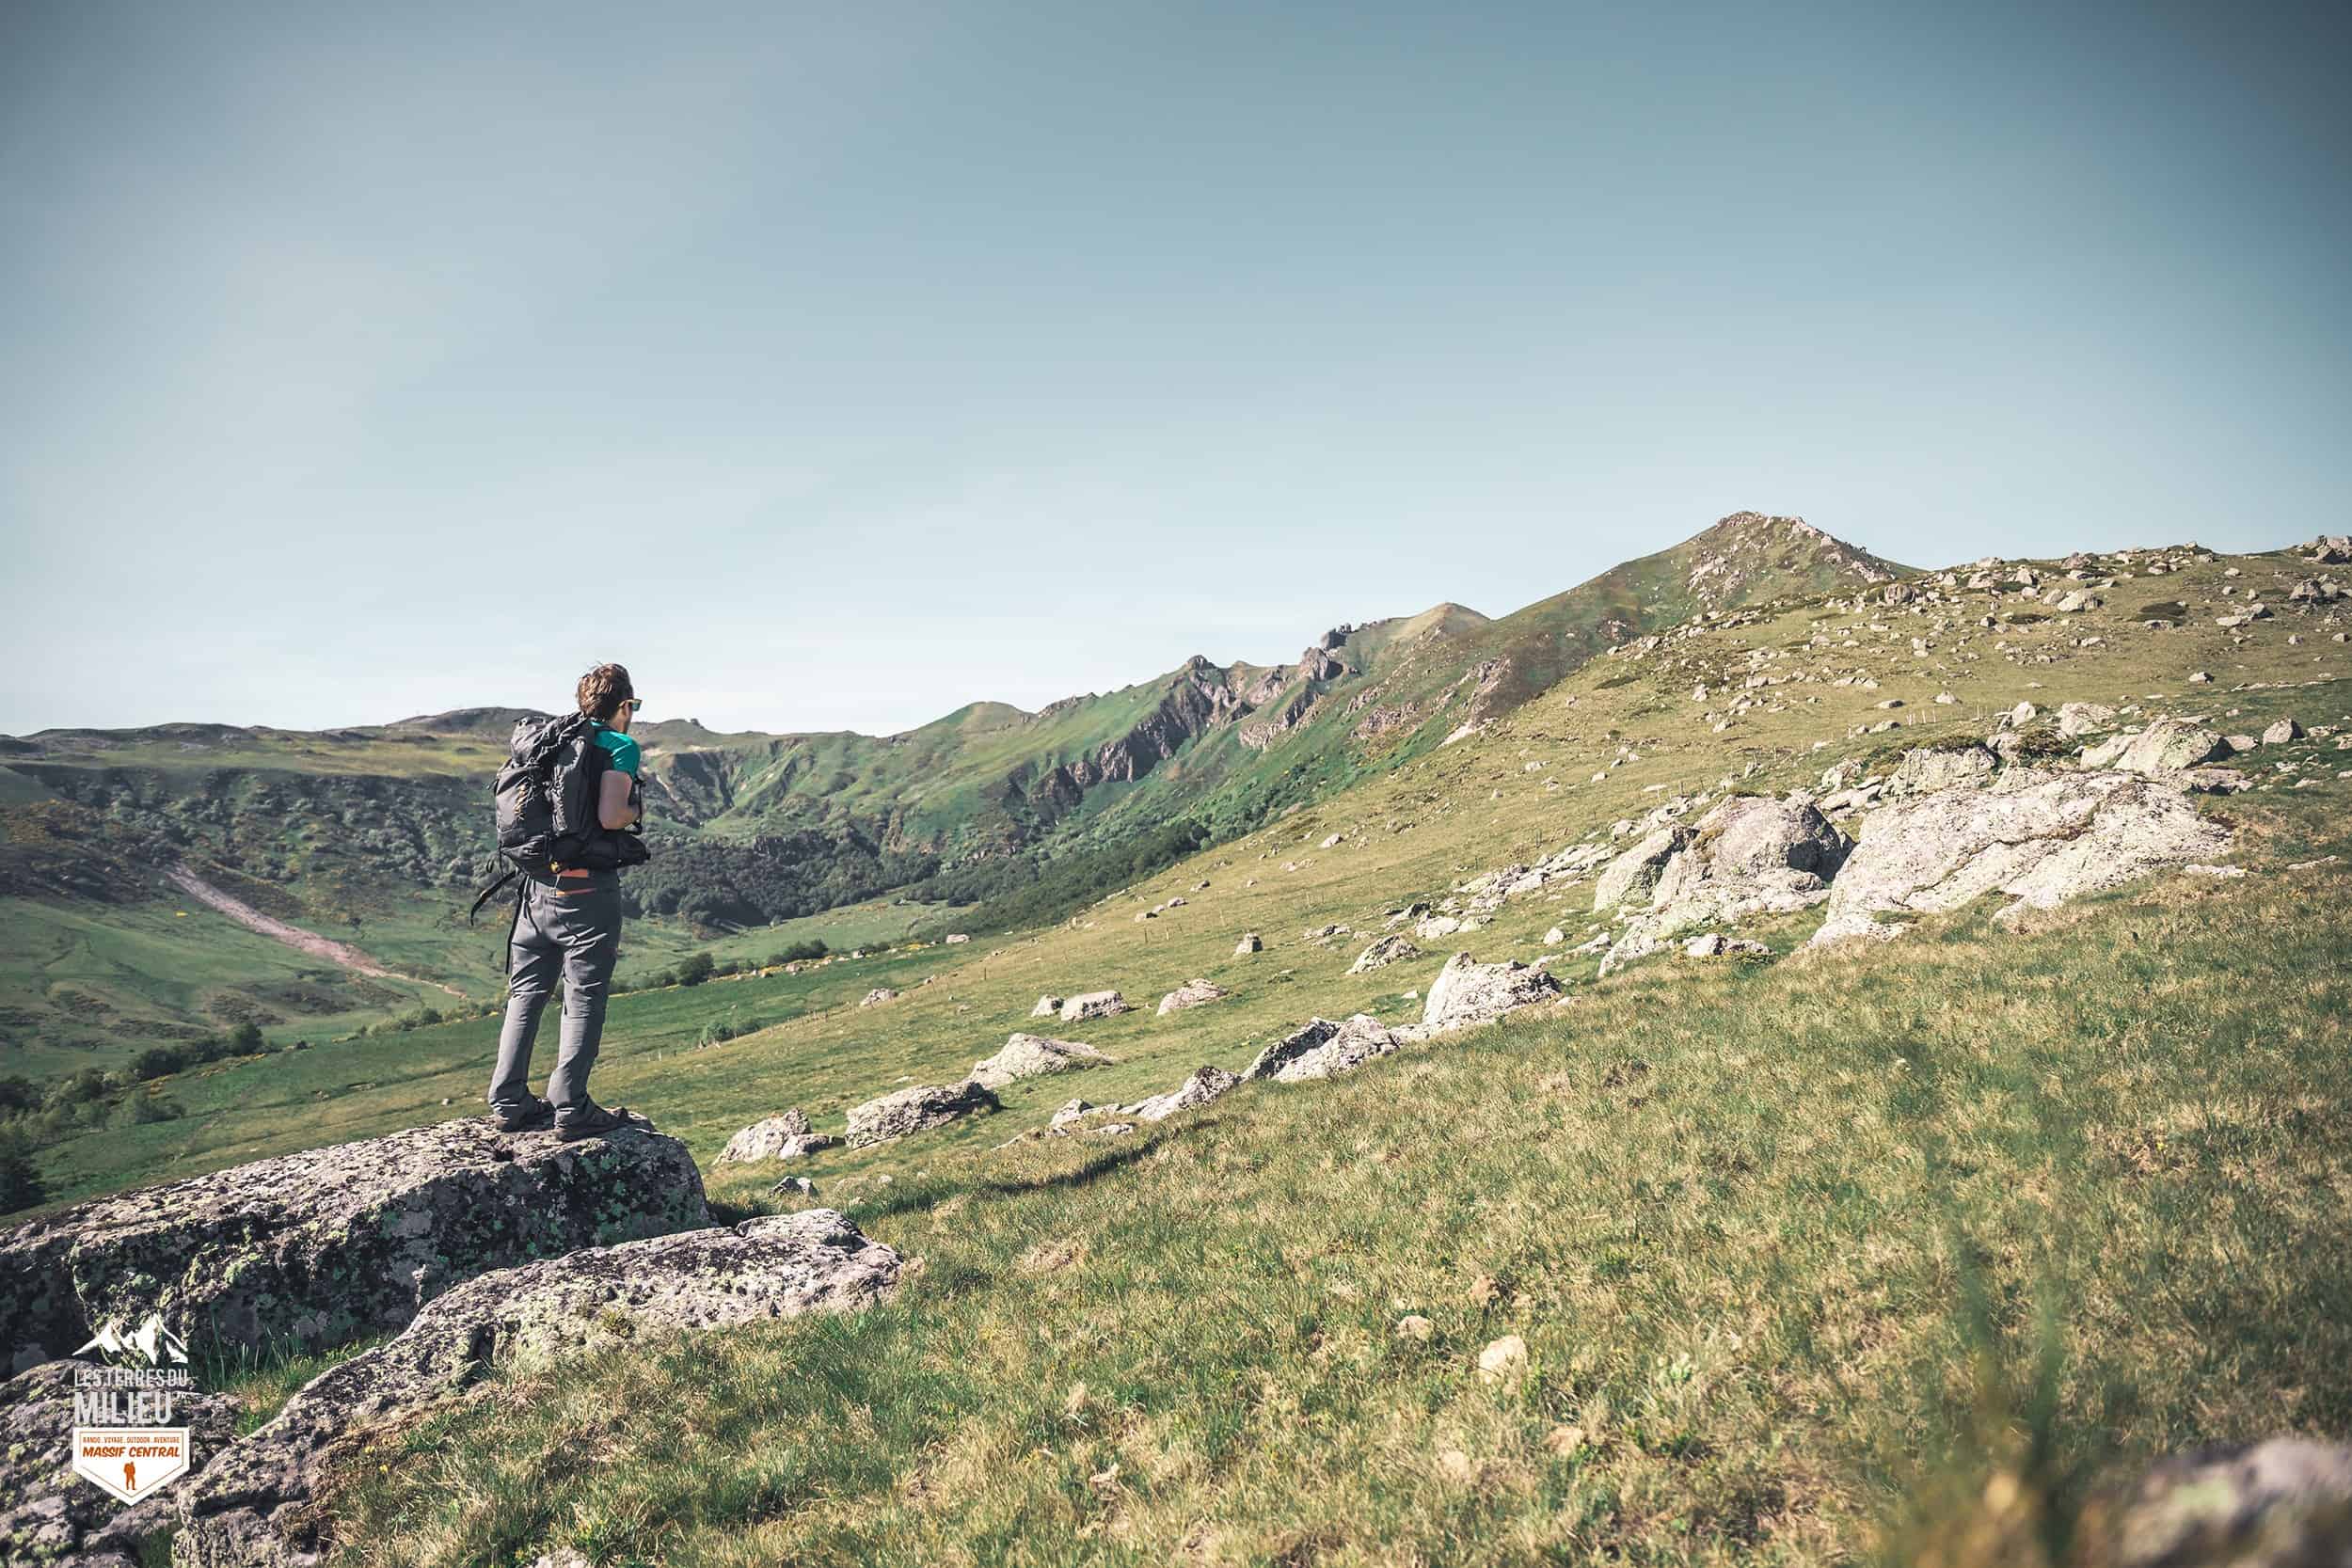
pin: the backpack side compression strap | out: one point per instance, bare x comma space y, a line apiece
509, 875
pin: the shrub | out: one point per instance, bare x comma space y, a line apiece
693, 969
159, 1061
20, 1179
800, 951
245, 1038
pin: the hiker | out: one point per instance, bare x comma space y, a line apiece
567, 916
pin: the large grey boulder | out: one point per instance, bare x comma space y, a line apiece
1093, 1003
253, 1507
1204, 1085
1748, 857
1192, 993
786, 1135
1467, 991
1033, 1057
1925, 769
2038, 837
2284, 1503
1388, 950
2168, 745
1321, 1049
914, 1110
50, 1515
1636, 872
329, 1245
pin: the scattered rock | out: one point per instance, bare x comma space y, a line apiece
253, 1505
913, 1110
1554, 937
1467, 991
326, 1246
1204, 1085
1249, 944
2282, 732
2040, 837
1192, 993
784, 1136
1437, 928
1047, 1007
1503, 1362
877, 996
1093, 1003
1388, 950
1322, 1050
1033, 1057
1714, 944
1414, 1326
2224, 872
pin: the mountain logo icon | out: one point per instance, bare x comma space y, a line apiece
150, 1342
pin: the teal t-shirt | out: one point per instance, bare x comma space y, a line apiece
623, 750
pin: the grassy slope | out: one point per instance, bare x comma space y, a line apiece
252, 797
1735, 1213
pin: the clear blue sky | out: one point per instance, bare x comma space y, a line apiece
835, 365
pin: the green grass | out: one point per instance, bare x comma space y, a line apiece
1737, 1214
1780, 1237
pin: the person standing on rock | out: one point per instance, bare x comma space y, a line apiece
567, 926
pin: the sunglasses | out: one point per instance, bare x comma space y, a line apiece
633, 703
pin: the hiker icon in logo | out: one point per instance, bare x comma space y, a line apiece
130, 1463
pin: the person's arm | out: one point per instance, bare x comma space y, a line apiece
612, 801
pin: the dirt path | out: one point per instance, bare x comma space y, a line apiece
294, 937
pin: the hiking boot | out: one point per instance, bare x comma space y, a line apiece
531, 1119
593, 1122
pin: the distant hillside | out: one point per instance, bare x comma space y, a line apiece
1025, 812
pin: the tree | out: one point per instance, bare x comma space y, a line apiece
693, 969
246, 1037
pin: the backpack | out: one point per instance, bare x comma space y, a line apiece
547, 803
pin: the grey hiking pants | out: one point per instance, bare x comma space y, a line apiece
574, 936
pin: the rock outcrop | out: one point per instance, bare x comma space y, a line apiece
1633, 874
1928, 769
1192, 993
1749, 856
1388, 950
2166, 746
2037, 836
48, 1514
1047, 1007
1033, 1057
786, 1135
1467, 991
327, 1245
915, 1110
253, 1505
1323, 1049
1093, 1003
877, 996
